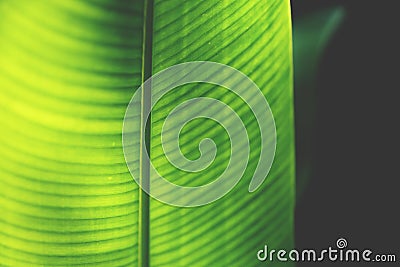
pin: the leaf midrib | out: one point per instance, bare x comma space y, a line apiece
144, 201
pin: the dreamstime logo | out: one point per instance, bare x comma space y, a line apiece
341, 243
138, 112
338, 254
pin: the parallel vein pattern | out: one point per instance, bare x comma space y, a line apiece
255, 38
68, 68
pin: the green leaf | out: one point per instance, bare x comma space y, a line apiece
311, 35
68, 70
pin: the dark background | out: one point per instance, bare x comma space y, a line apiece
354, 190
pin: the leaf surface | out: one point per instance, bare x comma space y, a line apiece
68, 70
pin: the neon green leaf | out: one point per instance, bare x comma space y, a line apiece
67, 72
